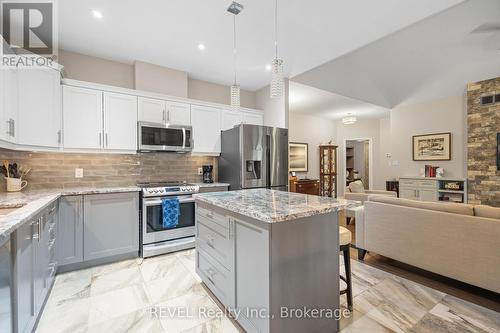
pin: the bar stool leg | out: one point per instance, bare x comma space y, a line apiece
347, 265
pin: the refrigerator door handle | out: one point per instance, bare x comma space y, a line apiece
268, 161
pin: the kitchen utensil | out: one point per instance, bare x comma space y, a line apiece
6, 165
15, 170
24, 172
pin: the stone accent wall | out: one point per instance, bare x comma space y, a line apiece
57, 170
483, 124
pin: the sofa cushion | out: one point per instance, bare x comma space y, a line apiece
487, 211
357, 187
447, 207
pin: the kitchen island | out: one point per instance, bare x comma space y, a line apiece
271, 258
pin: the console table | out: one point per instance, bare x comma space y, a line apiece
433, 189
305, 186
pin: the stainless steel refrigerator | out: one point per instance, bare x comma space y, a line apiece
254, 157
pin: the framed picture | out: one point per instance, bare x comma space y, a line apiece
432, 147
297, 157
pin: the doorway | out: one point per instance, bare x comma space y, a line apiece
358, 162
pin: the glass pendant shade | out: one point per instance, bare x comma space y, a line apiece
235, 96
277, 81
349, 120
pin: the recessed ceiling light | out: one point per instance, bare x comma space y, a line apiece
201, 46
268, 68
97, 14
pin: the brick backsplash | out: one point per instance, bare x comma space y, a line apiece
57, 170
483, 124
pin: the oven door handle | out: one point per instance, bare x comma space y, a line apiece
157, 202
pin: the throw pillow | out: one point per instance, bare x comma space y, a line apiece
357, 187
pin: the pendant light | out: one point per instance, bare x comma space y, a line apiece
277, 81
235, 8
349, 120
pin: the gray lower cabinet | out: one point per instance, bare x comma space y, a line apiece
23, 281
70, 241
34, 266
110, 225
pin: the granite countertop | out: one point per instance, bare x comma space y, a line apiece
272, 206
212, 184
29, 203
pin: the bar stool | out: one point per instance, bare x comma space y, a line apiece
345, 238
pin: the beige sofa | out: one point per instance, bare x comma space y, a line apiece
459, 241
356, 191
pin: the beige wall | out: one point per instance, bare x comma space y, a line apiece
276, 110
391, 139
313, 131
438, 116
147, 77
218, 93
159, 79
92, 69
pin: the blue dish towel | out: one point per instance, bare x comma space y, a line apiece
171, 211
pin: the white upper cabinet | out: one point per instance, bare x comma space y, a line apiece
82, 114
151, 110
253, 118
206, 129
120, 121
230, 118
160, 111
178, 113
8, 104
39, 107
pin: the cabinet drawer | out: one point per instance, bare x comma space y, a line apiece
210, 214
218, 279
430, 184
215, 240
407, 182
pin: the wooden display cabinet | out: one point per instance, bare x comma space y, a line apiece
328, 170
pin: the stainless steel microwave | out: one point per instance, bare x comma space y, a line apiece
163, 137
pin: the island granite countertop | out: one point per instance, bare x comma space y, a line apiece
29, 203
272, 206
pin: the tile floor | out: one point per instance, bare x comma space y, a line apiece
130, 297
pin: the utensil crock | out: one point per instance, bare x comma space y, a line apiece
15, 184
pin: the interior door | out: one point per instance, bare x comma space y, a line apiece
82, 113
178, 113
120, 121
39, 107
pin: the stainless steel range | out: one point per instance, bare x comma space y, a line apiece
155, 238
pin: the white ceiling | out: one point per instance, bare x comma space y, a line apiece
320, 103
432, 59
167, 32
